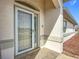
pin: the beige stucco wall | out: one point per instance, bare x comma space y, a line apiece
6, 19
51, 15
7, 26
51, 18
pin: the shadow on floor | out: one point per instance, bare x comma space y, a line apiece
42, 53
28, 55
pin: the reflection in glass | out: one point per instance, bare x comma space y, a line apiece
24, 31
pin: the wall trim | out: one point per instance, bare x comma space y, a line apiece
8, 43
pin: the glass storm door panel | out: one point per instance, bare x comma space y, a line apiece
24, 31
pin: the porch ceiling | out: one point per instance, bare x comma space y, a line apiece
27, 4
56, 3
36, 3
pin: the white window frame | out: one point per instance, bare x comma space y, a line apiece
16, 31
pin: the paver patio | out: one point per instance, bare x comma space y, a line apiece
71, 47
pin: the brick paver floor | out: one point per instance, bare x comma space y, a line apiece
71, 47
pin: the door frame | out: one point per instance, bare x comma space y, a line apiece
16, 31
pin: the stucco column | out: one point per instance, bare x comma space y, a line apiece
55, 39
